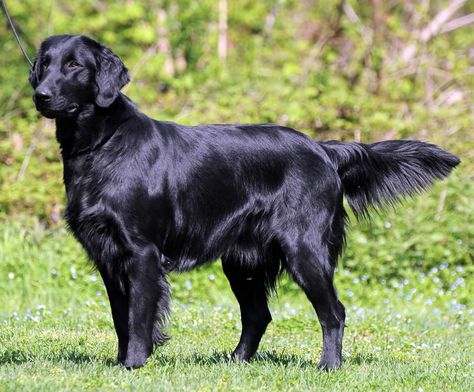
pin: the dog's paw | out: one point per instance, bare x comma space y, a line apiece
329, 364
240, 355
134, 361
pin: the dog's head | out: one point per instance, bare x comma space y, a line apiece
72, 72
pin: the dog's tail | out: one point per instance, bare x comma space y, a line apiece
381, 173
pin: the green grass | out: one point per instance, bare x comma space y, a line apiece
385, 349
57, 332
411, 330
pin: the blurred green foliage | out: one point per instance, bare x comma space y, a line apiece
333, 69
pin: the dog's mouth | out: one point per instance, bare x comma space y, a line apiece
48, 112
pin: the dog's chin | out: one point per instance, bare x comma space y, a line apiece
48, 113
70, 111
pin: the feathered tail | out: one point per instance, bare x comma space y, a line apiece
381, 173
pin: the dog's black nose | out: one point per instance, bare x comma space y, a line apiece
43, 95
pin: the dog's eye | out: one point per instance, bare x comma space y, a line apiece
73, 64
45, 64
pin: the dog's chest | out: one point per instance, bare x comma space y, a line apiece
95, 217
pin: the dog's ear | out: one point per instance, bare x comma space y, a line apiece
35, 73
111, 76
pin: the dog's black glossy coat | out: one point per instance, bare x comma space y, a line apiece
146, 197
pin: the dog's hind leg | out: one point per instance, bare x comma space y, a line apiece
311, 263
249, 286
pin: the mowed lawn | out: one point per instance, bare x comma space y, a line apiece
386, 348
407, 328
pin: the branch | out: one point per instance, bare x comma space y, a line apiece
433, 28
458, 22
222, 40
364, 31
439, 20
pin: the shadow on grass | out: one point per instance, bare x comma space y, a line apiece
282, 359
18, 357
223, 357
362, 359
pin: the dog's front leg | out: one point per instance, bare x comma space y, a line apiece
143, 296
118, 298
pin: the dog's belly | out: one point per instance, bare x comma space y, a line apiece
243, 245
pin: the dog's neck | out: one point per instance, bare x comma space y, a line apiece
92, 128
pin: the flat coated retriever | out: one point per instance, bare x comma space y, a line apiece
147, 197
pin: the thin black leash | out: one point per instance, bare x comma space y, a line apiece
7, 14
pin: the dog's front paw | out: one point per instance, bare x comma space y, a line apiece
134, 361
329, 364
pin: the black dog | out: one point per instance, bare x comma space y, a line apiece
146, 197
